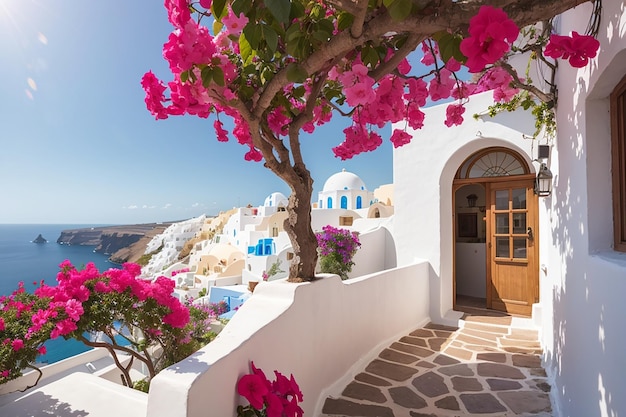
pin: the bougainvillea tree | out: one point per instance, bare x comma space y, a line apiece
280, 68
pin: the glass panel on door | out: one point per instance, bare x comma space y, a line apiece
518, 198
502, 199
519, 223
502, 223
519, 248
502, 247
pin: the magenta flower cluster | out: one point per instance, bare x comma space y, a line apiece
336, 248
577, 49
85, 300
279, 398
192, 50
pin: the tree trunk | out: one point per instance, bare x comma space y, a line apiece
298, 228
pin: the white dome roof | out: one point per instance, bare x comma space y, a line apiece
344, 181
276, 199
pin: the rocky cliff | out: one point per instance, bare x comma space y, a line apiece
122, 243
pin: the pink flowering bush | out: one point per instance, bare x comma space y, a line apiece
278, 398
113, 309
337, 247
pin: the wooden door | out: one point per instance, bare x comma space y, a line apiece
512, 272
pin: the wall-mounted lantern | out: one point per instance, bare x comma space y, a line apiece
543, 182
471, 200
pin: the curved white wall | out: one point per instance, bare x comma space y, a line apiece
423, 173
318, 331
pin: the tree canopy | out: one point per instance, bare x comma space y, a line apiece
282, 67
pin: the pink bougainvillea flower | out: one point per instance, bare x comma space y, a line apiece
42, 350
360, 94
491, 35
404, 67
253, 155
234, 24
454, 114
399, 138
504, 94
154, 89
17, 344
292, 409
440, 87
274, 405
429, 56
178, 12
254, 389
2, 326
222, 134
206, 4
575, 48
453, 65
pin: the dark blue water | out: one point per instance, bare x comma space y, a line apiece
22, 260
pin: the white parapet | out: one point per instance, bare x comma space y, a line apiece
320, 331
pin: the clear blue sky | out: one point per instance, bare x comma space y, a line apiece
77, 144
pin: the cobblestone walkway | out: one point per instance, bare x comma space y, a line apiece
484, 368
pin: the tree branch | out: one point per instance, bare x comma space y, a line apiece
386, 67
545, 97
356, 30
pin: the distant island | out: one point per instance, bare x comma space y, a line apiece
40, 239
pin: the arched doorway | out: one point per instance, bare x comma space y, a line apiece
495, 232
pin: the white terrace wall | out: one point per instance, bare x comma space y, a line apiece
321, 332
583, 290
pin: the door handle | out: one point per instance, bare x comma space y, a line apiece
530, 233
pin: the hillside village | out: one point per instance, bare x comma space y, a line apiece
215, 259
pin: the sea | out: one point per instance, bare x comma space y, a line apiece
23, 260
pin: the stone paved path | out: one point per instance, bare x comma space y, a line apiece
484, 368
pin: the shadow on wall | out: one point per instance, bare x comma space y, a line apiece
586, 359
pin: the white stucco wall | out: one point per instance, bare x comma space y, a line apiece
585, 281
321, 332
423, 173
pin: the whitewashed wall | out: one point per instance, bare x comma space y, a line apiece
423, 173
318, 331
582, 290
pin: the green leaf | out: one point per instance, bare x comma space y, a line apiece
321, 36
271, 37
218, 76
184, 76
399, 9
369, 56
345, 20
326, 26
207, 76
450, 46
297, 11
245, 49
217, 7
293, 32
295, 73
241, 6
217, 26
280, 9
253, 33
